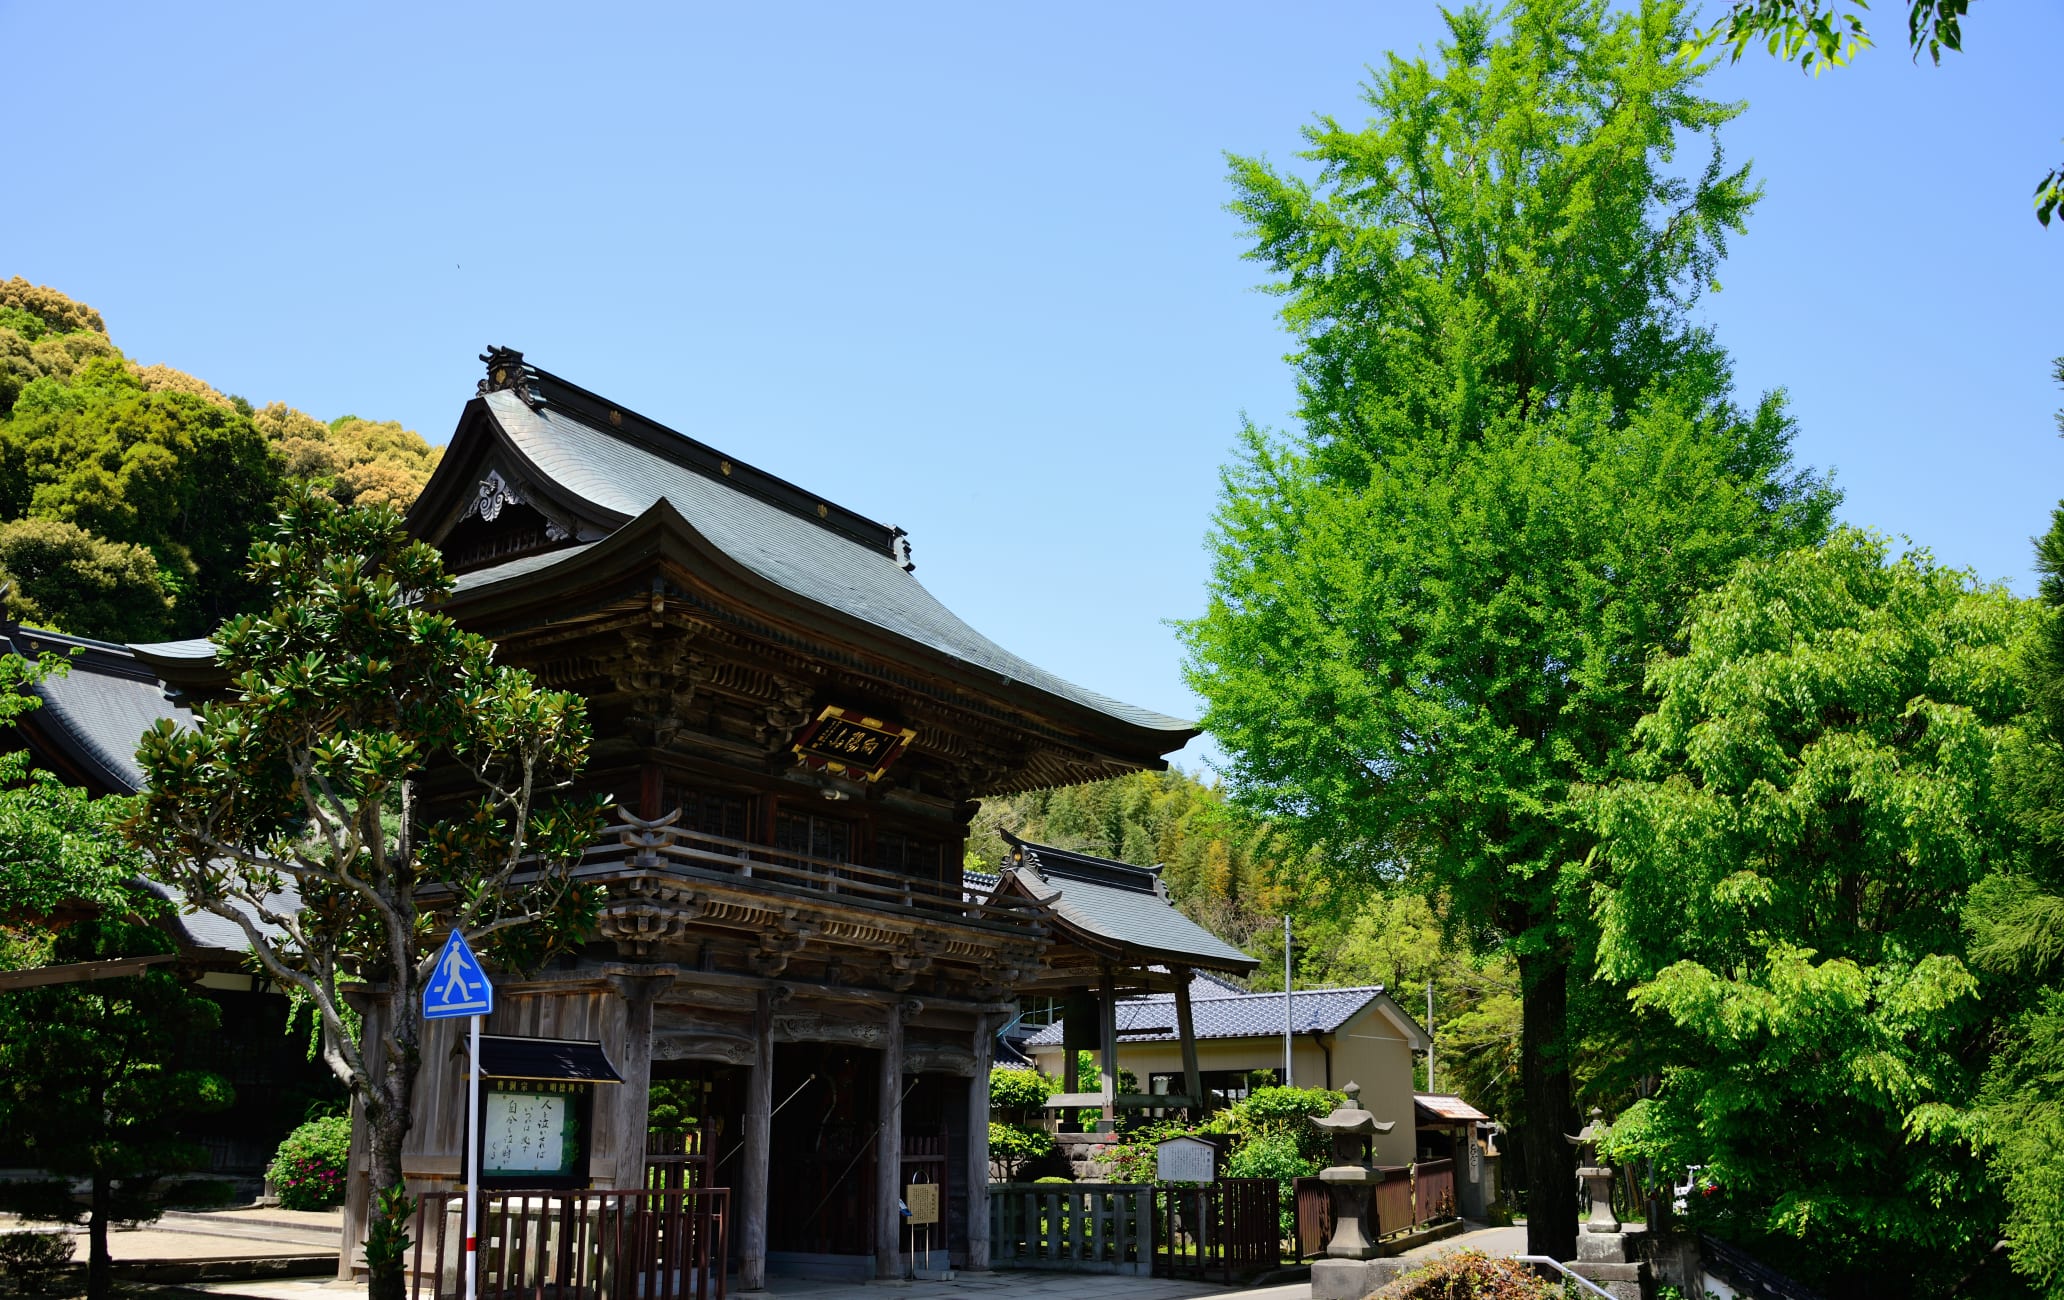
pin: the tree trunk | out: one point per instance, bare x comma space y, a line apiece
1548, 1115
387, 1127
99, 1269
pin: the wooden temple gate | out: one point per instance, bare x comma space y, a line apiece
796, 734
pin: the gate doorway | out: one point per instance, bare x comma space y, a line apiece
1226, 1231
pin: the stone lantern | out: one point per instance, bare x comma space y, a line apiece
1596, 1176
1606, 1256
1352, 1174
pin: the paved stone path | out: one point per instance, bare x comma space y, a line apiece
1001, 1285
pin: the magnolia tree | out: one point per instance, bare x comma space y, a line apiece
296, 808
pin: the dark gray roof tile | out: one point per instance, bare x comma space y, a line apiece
799, 555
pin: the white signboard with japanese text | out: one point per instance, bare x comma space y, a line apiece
1185, 1160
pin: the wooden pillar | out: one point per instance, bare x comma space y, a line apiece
1186, 1030
633, 1099
1078, 1035
888, 1154
358, 1178
978, 1149
1107, 1064
752, 1175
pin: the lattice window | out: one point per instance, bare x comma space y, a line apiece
710, 812
819, 837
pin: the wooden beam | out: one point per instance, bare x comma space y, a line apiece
633, 1101
1186, 1030
1121, 1101
81, 972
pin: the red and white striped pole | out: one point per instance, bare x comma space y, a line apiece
472, 1156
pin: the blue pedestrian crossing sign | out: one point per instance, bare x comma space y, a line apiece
457, 987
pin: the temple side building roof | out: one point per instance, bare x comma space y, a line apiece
1247, 1015
1114, 908
94, 711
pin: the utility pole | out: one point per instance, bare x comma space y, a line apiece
1286, 1003
1429, 1034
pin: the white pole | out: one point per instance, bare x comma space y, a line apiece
1429, 1035
1287, 1083
472, 1155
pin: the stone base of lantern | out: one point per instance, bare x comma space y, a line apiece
1352, 1279
1614, 1261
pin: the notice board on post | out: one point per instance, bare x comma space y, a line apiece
537, 1109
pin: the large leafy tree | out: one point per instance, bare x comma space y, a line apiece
151, 463
1517, 463
2015, 921
295, 809
92, 1084
91, 1080
1813, 798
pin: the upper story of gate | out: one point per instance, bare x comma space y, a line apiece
754, 655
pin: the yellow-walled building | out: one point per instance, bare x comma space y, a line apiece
1339, 1036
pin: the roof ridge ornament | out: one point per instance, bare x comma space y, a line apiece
508, 372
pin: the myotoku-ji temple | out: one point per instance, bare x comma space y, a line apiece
795, 733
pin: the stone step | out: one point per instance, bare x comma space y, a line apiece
250, 1227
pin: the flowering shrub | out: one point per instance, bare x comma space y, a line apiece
307, 1172
1469, 1275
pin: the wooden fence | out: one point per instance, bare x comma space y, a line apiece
1433, 1191
1406, 1197
1220, 1231
675, 1161
644, 1245
1080, 1227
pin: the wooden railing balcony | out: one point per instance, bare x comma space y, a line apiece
637, 847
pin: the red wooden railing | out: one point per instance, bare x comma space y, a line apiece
1220, 1231
642, 1245
1433, 1191
1392, 1204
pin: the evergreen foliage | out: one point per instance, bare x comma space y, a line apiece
307, 1171
151, 461
2014, 922
347, 689
91, 1085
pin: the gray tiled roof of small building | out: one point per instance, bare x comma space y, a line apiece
1244, 1015
796, 554
100, 703
1124, 910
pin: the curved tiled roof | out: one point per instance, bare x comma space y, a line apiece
801, 555
1118, 903
98, 707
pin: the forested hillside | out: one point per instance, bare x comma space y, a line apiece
1239, 880
129, 493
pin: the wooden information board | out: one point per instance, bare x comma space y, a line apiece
923, 1200
533, 1133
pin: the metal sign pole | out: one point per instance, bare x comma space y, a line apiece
472, 1155
459, 987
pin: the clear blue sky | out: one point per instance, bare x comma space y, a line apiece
966, 268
